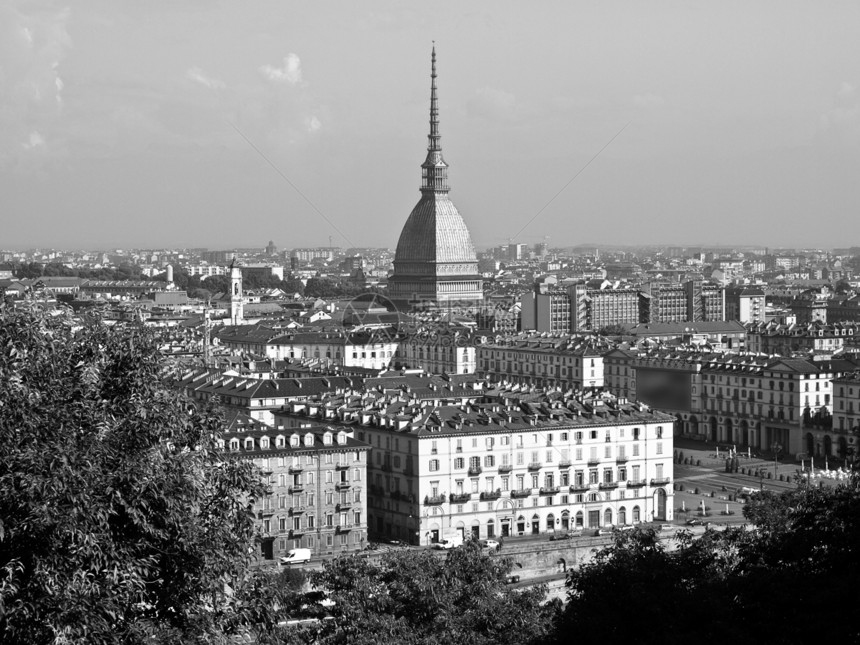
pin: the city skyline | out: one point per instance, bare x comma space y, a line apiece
201, 126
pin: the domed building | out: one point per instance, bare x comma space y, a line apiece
435, 263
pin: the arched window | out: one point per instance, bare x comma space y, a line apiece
264, 443
622, 516
294, 440
309, 439
327, 438
280, 441
234, 444
341, 437
607, 517
636, 518
249, 443
579, 519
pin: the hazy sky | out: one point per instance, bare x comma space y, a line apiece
127, 124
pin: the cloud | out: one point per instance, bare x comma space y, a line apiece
291, 72
492, 104
313, 124
648, 100
33, 45
196, 74
36, 140
840, 123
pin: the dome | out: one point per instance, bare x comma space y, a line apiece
435, 232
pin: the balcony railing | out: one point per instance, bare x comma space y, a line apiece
434, 500
505, 468
342, 528
490, 495
296, 532
475, 470
341, 466
523, 492
608, 485
342, 486
296, 488
549, 490
564, 463
460, 498
579, 488
265, 512
635, 483
621, 459
294, 470
297, 510
344, 506
534, 465
659, 481
593, 462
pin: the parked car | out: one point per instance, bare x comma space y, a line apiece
492, 545
694, 521
512, 579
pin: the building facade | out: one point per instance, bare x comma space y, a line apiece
496, 466
317, 478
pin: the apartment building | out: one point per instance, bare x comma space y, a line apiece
741, 399
565, 361
811, 337
844, 435
499, 462
317, 478
745, 303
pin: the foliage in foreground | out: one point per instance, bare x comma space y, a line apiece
793, 579
416, 597
119, 520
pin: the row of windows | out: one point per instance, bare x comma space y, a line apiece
303, 522
331, 477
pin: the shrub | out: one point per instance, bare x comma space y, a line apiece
698, 462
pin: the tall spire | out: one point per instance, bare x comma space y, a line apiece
434, 106
434, 170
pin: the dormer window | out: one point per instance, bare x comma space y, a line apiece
341, 438
249, 444
280, 441
234, 444
327, 438
309, 439
294, 441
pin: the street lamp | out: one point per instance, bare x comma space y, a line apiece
776, 448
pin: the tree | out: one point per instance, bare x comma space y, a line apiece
615, 329
790, 579
413, 597
120, 522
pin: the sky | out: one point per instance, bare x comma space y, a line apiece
206, 123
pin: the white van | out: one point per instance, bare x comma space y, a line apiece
450, 541
296, 556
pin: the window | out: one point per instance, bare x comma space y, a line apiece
459, 462
434, 465
659, 447
489, 461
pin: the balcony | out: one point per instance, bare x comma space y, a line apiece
296, 488
342, 528
534, 465
434, 500
341, 466
579, 488
344, 506
549, 490
295, 470
621, 459
265, 512
342, 486
523, 492
593, 462
475, 470
635, 483
505, 468
490, 495
294, 533
297, 510
608, 485
660, 481
460, 498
